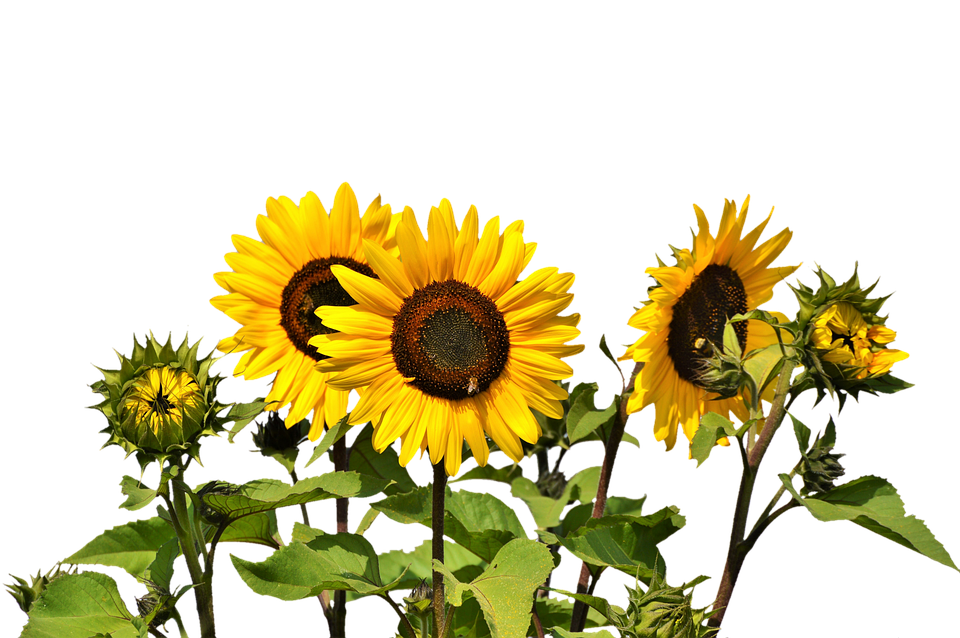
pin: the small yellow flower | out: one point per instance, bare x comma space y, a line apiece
847, 339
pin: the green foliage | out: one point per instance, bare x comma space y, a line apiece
874, 504
132, 547
137, 496
384, 465
626, 543
333, 435
547, 511
26, 594
580, 514
81, 606
416, 565
275, 440
713, 427
505, 474
327, 562
505, 588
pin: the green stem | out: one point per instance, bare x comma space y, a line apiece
738, 549
184, 529
403, 616
439, 493
578, 618
176, 618
303, 506
773, 501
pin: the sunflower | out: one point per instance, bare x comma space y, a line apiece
719, 278
161, 395
846, 339
277, 284
449, 344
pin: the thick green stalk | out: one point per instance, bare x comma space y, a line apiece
738, 548
202, 588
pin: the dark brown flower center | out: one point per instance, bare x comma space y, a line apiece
161, 402
845, 338
311, 287
451, 339
700, 315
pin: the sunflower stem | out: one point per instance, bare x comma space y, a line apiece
579, 617
303, 506
739, 548
341, 462
403, 616
184, 530
439, 493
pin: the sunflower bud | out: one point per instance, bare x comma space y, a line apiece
160, 402
156, 607
820, 466
275, 436
26, 595
552, 485
665, 612
420, 598
720, 372
220, 488
846, 340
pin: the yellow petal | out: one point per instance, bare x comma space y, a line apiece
316, 225
413, 250
344, 223
466, 244
485, 255
368, 292
441, 229
388, 268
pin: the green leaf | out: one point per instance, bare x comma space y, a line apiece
626, 543
547, 511
383, 465
713, 427
611, 613
763, 365
505, 588
267, 494
874, 504
160, 571
605, 349
137, 496
386, 465
131, 547
241, 414
414, 506
616, 505
259, 529
583, 417
803, 434
481, 523
80, 606
555, 612
329, 561
333, 435
505, 475
418, 564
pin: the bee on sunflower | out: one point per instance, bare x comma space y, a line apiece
685, 317
277, 284
449, 344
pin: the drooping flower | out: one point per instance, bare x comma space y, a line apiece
686, 314
449, 343
278, 283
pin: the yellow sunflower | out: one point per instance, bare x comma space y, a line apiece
278, 283
449, 344
847, 340
720, 277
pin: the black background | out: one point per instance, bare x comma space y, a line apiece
139, 256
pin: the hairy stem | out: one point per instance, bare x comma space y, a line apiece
738, 548
537, 625
202, 587
303, 506
403, 616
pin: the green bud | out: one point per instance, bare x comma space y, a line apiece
275, 436
552, 485
207, 513
26, 595
820, 468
